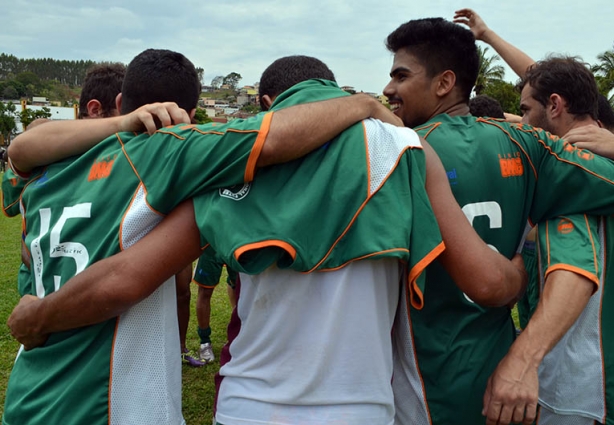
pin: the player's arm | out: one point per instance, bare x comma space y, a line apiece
57, 140
111, 286
486, 276
297, 130
513, 56
512, 390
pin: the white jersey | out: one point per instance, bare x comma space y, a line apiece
313, 349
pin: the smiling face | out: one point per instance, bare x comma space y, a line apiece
411, 91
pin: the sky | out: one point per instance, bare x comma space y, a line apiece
224, 36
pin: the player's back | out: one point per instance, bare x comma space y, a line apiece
77, 212
500, 175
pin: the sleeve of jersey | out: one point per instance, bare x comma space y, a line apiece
571, 243
12, 187
182, 161
425, 242
567, 178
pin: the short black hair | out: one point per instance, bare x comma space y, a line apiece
605, 113
440, 45
103, 82
158, 75
290, 70
568, 77
485, 106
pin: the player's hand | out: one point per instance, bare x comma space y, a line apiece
473, 21
151, 117
22, 323
595, 139
511, 393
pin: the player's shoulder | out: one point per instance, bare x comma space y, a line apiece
376, 129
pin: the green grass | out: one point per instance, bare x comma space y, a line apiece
198, 385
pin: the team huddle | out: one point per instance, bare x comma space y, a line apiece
378, 250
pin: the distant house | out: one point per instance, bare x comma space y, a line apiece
40, 101
348, 89
221, 120
206, 89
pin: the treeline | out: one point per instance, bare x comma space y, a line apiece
63, 71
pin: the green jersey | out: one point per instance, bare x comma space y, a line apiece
360, 196
12, 186
575, 376
84, 209
501, 174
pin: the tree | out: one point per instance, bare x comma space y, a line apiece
201, 117
489, 72
232, 80
8, 112
28, 115
604, 73
507, 95
216, 83
201, 74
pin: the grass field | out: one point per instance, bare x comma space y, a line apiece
198, 386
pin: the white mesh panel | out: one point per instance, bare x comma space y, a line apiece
409, 397
386, 143
139, 220
571, 375
146, 369
548, 418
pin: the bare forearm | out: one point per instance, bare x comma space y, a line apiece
298, 130
564, 298
518, 60
58, 140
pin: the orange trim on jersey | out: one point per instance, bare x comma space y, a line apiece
111, 367
4, 210
362, 206
203, 286
417, 297
415, 353
121, 222
577, 270
590, 236
364, 257
265, 127
433, 127
264, 244
119, 139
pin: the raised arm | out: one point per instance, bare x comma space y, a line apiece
298, 130
518, 60
486, 276
57, 140
101, 291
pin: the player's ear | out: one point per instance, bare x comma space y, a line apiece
192, 113
446, 81
557, 105
118, 102
94, 109
267, 101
